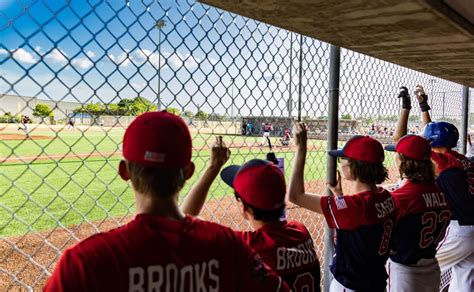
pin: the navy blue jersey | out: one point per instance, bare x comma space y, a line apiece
456, 179
364, 224
422, 218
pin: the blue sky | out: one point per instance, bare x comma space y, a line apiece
107, 50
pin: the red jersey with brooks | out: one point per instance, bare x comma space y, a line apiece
364, 224
456, 180
152, 253
422, 218
288, 249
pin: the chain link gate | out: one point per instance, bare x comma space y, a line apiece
82, 70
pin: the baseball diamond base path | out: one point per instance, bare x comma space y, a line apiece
10, 137
45, 247
108, 154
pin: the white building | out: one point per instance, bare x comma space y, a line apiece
24, 105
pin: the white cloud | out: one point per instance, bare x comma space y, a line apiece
272, 77
144, 55
121, 59
138, 85
23, 56
179, 60
3, 52
57, 56
91, 54
83, 63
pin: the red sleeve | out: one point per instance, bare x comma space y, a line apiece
69, 274
342, 212
255, 275
444, 161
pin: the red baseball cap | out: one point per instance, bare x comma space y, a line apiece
259, 183
412, 146
363, 148
159, 139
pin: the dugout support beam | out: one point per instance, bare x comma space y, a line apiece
465, 119
333, 121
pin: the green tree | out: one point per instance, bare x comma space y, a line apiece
201, 115
392, 118
188, 114
414, 118
141, 105
368, 120
42, 111
113, 109
174, 111
94, 108
346, 117
125, 106
216, 117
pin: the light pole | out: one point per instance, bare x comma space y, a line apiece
160, 24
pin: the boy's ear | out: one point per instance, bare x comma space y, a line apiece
189, 170
123, 172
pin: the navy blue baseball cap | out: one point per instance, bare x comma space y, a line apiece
259, 183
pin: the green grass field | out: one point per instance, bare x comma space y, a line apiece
40, 195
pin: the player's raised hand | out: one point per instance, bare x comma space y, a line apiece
219, 153
422, 98
405, 96
336, 189
419, 90
300, 134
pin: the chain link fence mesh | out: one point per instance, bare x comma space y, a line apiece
74, 74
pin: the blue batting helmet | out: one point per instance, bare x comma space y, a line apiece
441, 134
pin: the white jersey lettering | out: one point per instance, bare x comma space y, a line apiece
294, 257
434, 200
199, 277
385, 208
136, 279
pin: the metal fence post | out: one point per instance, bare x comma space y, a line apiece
465, 118
333, 113
300, 83
290, 99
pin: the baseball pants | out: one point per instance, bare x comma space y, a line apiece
422, 277
456, 252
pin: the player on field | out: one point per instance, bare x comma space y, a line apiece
267, 128
260, 188
422, 218
455, 177
162, 249
364, 216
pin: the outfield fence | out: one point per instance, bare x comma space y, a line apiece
81, 70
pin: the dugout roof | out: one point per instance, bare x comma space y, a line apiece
431, 36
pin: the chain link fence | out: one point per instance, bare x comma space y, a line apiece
74, 74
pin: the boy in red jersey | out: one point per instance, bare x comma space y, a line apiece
364, 219
156, 251
455, 177
260, 188
422, 218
